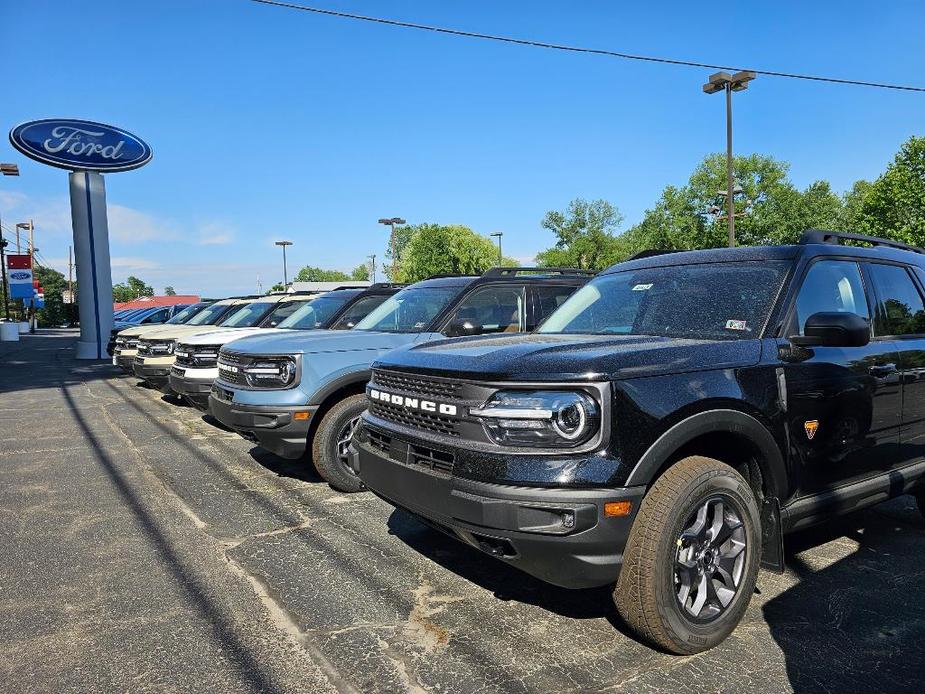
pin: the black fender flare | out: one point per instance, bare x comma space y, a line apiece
709, 422
348, 379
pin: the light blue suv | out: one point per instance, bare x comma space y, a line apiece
292, 391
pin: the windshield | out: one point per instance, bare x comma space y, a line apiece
317, 312
411, 310
209, 315
185, 314
719, 301
249, 315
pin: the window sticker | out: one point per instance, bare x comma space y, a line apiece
735, 325
642, 287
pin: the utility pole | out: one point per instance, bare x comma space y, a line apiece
70, 274
391, 222
32, 263
6, 297
372, 259
723, 81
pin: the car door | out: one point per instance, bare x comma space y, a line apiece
844, 404
494, 308
900, 317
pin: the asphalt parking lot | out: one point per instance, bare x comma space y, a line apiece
142, 548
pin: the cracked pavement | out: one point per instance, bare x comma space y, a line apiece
144, 548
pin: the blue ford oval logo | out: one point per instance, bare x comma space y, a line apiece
20, 275
80, 145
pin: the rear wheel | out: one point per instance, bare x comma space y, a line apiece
331, 440
692, 558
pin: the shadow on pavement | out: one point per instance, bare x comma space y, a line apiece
859, 623
249, 669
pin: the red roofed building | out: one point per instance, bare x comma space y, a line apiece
152, 301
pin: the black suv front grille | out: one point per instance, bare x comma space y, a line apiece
194, 355
418, 385
226, 359
412, 418
438, 461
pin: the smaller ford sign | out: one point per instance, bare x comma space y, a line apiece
80, 145
20, 275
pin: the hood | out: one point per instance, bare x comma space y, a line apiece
572, 357
142, 330
175, 332
278, 341
219, 336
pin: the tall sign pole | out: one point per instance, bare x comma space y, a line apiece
87, 149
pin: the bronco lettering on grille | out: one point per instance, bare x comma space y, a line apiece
413, 403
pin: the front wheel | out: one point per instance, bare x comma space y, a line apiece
331, 440
692, 557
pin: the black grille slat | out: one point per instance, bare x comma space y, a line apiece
196, 361
438, 461
232, 359
408, 383
415, 419
380, 441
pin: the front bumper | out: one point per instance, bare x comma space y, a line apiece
124, 359
156, 373
193, 384
274, 427
558, 535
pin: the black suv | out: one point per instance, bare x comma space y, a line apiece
668, 424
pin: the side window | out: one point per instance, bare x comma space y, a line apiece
831, 286
548, 299
499, 309
358, 311
157, 316
900, 310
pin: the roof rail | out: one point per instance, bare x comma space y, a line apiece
649, 253
513, 271
834, 237
387, 285
448, 274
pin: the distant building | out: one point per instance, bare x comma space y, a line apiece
152, 301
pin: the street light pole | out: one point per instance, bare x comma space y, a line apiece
372, 259
391, 222
723, 81
6, 170
285, 272
498, 235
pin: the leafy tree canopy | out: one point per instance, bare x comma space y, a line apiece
436, 249
317, 274
169, 291
894, 204
585, 235
131, 290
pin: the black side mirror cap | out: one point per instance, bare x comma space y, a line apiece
459, 328
833, 329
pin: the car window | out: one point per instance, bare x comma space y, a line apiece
210, 314
248, 315
283, 310
315, 313
901, 309
494, 309
358, 311
710, 301
186, 314
831, 286
157, 316
411, 310
549, 299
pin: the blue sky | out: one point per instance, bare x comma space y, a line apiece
268, 123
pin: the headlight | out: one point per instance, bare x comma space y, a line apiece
270, 373
541, 419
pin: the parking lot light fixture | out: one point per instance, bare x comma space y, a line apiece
498, 235
724, 82
9, 169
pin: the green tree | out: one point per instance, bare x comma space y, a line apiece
169, 291
852, 205
317, 274
894, 205
276, 288
435, 249
53, 284
360, 273
402, 237
585, 235
131, 290
769, 210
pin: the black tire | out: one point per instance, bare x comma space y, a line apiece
668, 544
328, 460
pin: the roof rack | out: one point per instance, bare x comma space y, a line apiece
834, 237
649, 253
510, 271
448, 274
387, 285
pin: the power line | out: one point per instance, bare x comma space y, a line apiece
577, 49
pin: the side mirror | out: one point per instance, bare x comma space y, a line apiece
460, 328
834, 329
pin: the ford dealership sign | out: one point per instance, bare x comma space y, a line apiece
80, 145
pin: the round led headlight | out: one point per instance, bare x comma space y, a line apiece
540, 419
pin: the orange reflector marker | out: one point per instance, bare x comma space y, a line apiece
618, 508
301, 415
